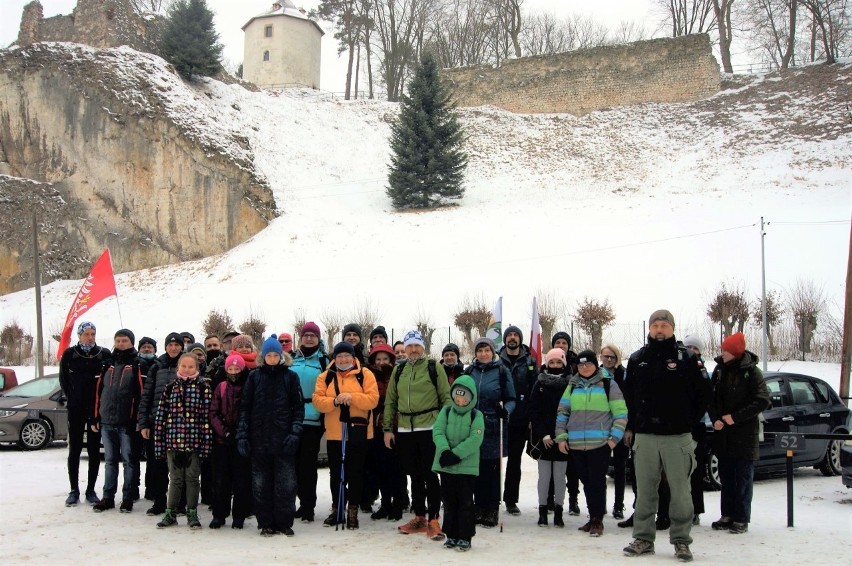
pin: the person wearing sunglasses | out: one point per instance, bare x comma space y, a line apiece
286, 341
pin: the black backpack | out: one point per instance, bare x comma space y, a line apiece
433, 375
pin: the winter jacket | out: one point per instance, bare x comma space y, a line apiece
664, 389
308, 368
383, 376
544, 401
215, 370
415, 399
119, 390
272, 411
585, 417
740, 391
182, 420
524, 375
453, 372
78, 375
491, 390
365, 397
460, 430
225, 408
160, 375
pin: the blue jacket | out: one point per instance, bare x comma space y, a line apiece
308, 368
490, 392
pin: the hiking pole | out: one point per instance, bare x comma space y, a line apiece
341, 493
500, 479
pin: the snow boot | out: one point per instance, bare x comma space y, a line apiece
352, 517
557, 516
542, 515
168, 520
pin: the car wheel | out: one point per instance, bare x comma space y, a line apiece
711, 477
35, 435
830, 465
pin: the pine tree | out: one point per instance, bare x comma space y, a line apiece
190, 41
428, 162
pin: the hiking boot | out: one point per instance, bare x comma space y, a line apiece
512, 509
477, 514
723, 524
299, 512
156, 510
433, 530
416, 525
192, 519
663, 523
396, 511
618, 512
73, 498
542, 515
216, 523
352, 517
331, 520
104, 504
682, 552
169, 519
639, 547
550, 506
573, 507
126, 506
738, 528
366, 507
627, 523
696, 520
450, 543
557, 516
462, 545
586, 528
288, 532
267, 532
307, 515
490, 517
383, 512
91, 496
596, 529
237, 523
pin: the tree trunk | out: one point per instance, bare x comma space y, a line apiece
723, 22
357, 70
787, 57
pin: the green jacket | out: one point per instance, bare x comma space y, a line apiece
415, 399
458, 431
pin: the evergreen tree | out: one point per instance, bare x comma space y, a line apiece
190, 41
427, 161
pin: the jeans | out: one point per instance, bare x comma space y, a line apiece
517, 442
77, 427
737, 476
273, 484
118, 444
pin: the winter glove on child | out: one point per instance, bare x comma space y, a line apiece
448, 458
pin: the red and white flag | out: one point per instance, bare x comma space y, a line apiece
98, 285
535, 334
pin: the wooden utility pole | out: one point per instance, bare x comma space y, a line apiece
846, 353
37, 280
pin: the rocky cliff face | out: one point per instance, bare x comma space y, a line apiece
134, 156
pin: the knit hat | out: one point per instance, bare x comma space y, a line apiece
343, 348
242, 341
235, 360
126, 333
451, 348
561, 334
484, 342
145, 340
85, 325
512, 328
693, 340
173, 338
310, 328
379, 331
734, 344
271, 344
197, 346
186, 335
663, 315
413, 337
587, 356
353, 327
230, 335
555, 354
381, 348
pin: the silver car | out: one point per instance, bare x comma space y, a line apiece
34, 414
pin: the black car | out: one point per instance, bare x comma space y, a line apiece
846, 458
802, 404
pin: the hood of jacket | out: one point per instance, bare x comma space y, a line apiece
467, 382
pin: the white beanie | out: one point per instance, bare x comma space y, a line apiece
413, 337
693, 340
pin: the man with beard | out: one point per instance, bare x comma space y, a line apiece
213, 348
666, 395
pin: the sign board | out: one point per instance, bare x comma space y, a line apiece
790, 441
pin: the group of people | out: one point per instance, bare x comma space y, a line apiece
239, 428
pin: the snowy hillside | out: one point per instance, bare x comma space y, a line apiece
649, 206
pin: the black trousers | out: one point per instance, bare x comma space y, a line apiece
356, 454
517, 442
273, 484
457, 495
231, 478
77, 427
156, 474
619, 465
416, 452
306, 466
487, 491
697, 479
393, 485
591, 468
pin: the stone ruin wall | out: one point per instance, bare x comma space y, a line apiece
680, 69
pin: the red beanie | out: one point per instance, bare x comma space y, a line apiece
734, 344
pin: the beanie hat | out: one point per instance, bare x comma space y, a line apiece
235, 360
310, 327
587, 356
561, 334
353, 327
230, 335
379, 331
186, 335
85, 325
693, 340
242, 341
343, 348
455, 386
381, 348
484, 342
196, 346
173, 338
512, 328
663, 315
413, 337
555, 354
451, 348
734, 344
270, 345
145, 340
126, 333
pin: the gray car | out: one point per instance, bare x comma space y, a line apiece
34, 414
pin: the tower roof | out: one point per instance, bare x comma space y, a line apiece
284, 8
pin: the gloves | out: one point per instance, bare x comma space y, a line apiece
244, 448
291, 445
502, 413
448, 458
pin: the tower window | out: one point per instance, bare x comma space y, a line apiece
267, 31
266, 55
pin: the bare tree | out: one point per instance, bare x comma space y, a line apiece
508, 15
299, 320
254, 326
460, 32
774, 316
685, 17
722, 11
549, 309
831, 20
729, 308
332, 320
400, 26
592, 317
366, 314
770, 25
806, 302
542, 33
148, 6
627, 32
217, 323
472, 315
424, 325
587, 32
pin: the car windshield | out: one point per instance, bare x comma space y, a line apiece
34, 388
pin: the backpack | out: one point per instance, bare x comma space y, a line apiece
472, 413
331, 375
505, 374
433, 375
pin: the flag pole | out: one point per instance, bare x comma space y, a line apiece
117, 303
37, 280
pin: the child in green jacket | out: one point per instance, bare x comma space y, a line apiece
458, 434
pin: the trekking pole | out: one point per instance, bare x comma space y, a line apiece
341, 493
500, 479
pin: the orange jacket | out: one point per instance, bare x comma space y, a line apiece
363, 400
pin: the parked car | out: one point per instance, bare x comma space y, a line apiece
846, 458
802, 404
44, 418
8, 380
